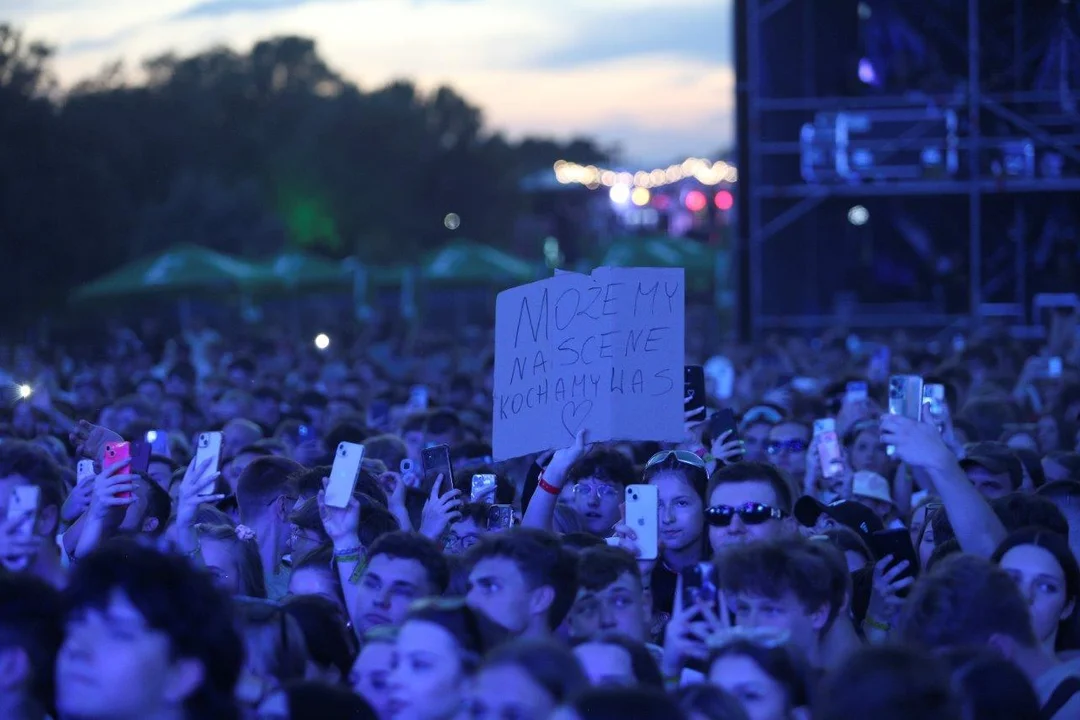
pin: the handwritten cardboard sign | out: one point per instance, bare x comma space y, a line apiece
602, 352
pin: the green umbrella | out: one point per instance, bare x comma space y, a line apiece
699, 260
294, 271
181, 269
464, 262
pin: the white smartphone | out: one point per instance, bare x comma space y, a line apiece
905, 398
84, 470
24, 501
344, 474
643, 517
832, 462
209, 447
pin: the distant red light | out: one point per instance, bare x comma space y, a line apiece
662, 202
724, 200
696, 201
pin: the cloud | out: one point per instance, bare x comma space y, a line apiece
701, 33
217, 8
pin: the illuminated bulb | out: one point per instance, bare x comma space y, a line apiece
620, 194
25, 391
322, 341
640, 196
452, 221
858, 215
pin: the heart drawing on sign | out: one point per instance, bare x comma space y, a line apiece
574, 415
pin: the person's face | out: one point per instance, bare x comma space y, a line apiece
309, 581
426, 676
113, 665
389, 585
220, 561
736, 495
414, 444
782, 613
1042, 583
266, 412
597, 502
235, 437
787, 448
756, 437
606, 664
620, 607
681, 513
925, 546
915, 528
463, 535
370, 676
302, 541
988, 484
507, 691
499, 590
867, 453
880, 508
761, 696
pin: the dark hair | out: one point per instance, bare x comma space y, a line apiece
34, 464
812, 570
745, 472
375, 521
349, 429
329, 641
1019, 510
175, 599
642, 663
306, 517
158, 506
441, 422
963, 600
988, 686
887, 683
605, 465
600, 566
847, 540
263, 480
31, 618
308, 481
388, 448
782, 663
541, 560
607, 703
710, 701
578, 542
1033, 465
1066, 492
475, 633
312, 700
414, 546
550, 665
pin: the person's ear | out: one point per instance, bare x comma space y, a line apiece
14, 669
820, 617
1068, 609
150, 524
182, 679
540, 600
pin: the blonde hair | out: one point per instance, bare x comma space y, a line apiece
244, 552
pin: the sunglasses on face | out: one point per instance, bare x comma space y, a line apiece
684, 457
776, 447
750, 514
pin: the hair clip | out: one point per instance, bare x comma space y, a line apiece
245, 533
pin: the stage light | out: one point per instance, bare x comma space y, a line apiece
322, 341
640, 196
620, 194
695, 201
724, 200
858, 215
452, 221
25, 391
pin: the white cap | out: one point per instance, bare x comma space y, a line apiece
872, 486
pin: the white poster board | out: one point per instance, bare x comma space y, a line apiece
602, 352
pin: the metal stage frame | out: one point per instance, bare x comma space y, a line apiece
1000, 291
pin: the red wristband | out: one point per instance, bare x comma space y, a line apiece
546, 486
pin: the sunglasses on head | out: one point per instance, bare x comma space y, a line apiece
681, 456
750, 514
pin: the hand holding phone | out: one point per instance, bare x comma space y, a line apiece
694, 392
208, 450
344, 474
118, 459
483, 489
643, 518
436, 461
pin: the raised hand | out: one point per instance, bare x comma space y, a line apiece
919, 444
113, 491
341, 524
440, 510
89, 440
193, 490
78, 500
557, 469
728, 449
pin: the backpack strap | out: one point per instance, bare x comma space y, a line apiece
1063, 693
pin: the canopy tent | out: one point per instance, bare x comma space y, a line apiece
699, 260
181, 269
295, 271
464, 262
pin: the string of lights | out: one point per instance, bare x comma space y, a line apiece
704, 171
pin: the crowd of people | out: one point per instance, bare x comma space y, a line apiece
930, 572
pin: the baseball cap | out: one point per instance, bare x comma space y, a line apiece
872, 486
848, 513
997, 462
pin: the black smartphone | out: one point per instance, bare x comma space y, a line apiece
436, 462
500, 517
723, 421
699, 585
694, 391
898, 544
140, 456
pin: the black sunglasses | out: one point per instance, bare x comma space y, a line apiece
750, 514
776, 447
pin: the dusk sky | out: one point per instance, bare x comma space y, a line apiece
654, 76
